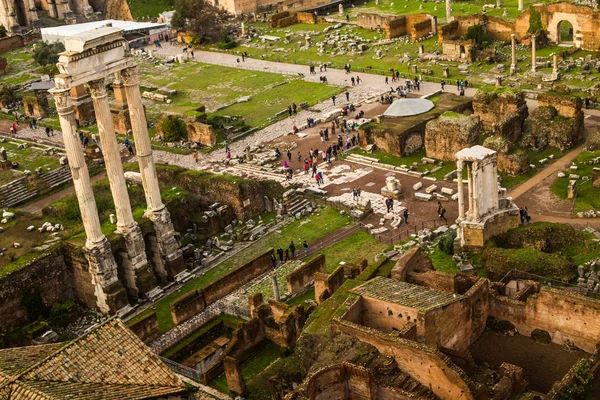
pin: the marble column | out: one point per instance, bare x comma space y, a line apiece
513, 44
555, 64
275, 286
461, 194
136, 270
156, 211
448, 11
102, 266
470, 186
533, 57
475, 186
521, 7
434, 25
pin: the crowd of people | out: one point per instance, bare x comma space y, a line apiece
282, 256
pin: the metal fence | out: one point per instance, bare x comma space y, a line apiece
180, 369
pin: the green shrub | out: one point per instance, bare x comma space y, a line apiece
3, 31
535, 21
63, 314
47, 53
582, 383
446, 243
479, 34
173, 128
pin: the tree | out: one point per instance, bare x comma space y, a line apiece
535, 21
47, 53
7, 95
173, 128
200, 18
3, 32
478, 34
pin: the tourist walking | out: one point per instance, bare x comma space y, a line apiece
305, 248
273, 261
405, 214
348, 94
280, 254
441, 212
195, 154
292, 248
333, 99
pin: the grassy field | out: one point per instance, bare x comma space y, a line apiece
328, 220
350, 250
220, 87
142, 10
588, 197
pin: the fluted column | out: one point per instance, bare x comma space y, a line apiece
156, 210
470, 186
461, 195
475, 187
513, 44
533, 57
126, 225
448, 11
103, 269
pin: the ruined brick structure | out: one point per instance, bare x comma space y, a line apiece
449, 133
557, 122
502, 112
585, 22
417, 26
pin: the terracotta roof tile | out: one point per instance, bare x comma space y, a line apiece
108, 363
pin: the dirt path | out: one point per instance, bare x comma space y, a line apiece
37, 206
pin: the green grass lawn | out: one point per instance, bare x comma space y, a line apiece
351, 250
509, 181
588, 197
221, 87
320, 225
398, 161
251, 368
141, 9
442, 261
298, 300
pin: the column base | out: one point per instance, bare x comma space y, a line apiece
168, 245
138, 275
110, 293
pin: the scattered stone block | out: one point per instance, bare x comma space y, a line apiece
573, 167
431, 189
448, 191
30, 228
17, 245
417, 186
423, 196
561, 175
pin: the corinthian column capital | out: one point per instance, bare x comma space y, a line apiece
64, 103
98, 88
130, 76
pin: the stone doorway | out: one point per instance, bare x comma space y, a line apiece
565, 33
21, 12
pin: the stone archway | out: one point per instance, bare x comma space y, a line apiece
565, 33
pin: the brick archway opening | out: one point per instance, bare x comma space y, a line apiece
565, 32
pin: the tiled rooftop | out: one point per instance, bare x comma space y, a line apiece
107, 363
414, 296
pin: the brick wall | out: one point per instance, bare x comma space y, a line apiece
420, 29
238, 277
187, 306
301, 278
414, 259
562, 314
11, 43
326, 285
147, 328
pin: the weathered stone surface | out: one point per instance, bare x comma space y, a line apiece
450, 133
502, 112
197, 129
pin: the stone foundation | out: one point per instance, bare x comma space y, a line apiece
474, 235
502, 112
450, 133
168, 245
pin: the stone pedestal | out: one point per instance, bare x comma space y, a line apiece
498, 81
110, 294
421, 50
392, 188
168, 246
434, 24
446, 72
572, 189
520, 5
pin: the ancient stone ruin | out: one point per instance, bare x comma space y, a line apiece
450, 133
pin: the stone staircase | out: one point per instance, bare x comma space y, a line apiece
408, 384
57, 177
296, 204
15, 192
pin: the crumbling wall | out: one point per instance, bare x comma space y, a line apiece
117, 9
238, 277
564, 315
414, 259
510, 160
449, 134
427, 365
326, 285
418, 26
146, 328
502, 112
302, 277
186, 306
557, 122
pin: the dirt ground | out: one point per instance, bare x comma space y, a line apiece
542, 364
